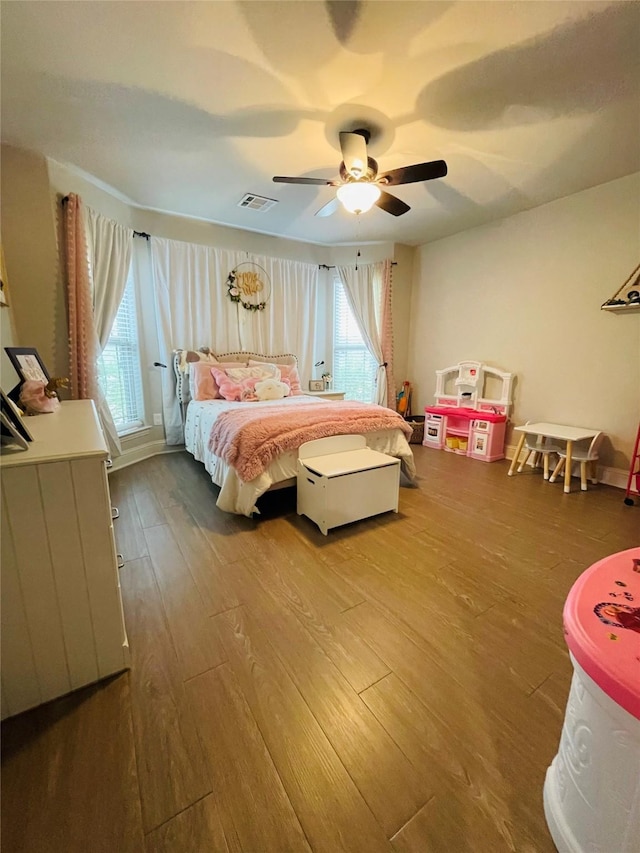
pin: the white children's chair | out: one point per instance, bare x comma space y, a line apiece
583, 455
536, 446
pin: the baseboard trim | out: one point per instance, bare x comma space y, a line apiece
141, 452
609, 476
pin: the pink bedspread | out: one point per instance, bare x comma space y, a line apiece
250, 439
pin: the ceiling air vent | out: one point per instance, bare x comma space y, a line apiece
257, 202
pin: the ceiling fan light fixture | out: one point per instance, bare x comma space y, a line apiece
358, 197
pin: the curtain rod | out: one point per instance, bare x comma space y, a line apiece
333, 266
65, 199
148, 237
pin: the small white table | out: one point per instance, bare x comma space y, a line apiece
560, 432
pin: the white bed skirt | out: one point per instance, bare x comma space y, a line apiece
239, 497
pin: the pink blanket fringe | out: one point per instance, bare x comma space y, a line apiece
250, 439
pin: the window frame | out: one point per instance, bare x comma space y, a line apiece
125, 428
361, 348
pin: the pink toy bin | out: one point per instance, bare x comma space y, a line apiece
592, 788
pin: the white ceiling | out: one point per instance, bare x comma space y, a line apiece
186, 106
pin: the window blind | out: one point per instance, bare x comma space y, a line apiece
119, 365
354, 368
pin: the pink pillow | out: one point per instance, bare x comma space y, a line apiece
289, 375
242, 390
202, 385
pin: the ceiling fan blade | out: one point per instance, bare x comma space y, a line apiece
413, 174
391, 204
329, 208
323, 182
354, 153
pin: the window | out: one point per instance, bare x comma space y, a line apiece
119, 365
354, 368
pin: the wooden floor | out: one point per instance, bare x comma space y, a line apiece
398, 685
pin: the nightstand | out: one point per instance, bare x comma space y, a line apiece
327, 395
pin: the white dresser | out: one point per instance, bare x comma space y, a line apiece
62, 619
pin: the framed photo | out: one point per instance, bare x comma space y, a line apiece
28, 363
3, 281
316, 385
9, 434
13, 425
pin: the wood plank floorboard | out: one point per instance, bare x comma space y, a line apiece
69, 775
194, 634
196, 829
163, 480
457, 772
483, 706
127, 528
172, 772
384, 776
211, 576
351, 655
399, 684
255, 811
331, 810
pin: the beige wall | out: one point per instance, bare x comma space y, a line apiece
31, 257
524, 294
402, 285
209, 234
8, 376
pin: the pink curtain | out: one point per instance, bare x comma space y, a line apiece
386, 332
83, 342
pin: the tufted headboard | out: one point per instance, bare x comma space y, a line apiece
182, 359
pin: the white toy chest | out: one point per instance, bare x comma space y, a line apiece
341, 480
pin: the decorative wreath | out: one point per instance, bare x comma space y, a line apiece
249, 280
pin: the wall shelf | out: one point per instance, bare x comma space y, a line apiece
628, 306
621, 309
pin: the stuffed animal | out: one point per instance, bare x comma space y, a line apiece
51, 388
35, 400
271, 389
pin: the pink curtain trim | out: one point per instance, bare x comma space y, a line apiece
83, 350
386, 332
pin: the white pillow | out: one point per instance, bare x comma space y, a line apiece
264, 371
265, 365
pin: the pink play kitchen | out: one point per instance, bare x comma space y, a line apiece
470, 413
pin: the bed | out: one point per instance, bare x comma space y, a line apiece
238, 495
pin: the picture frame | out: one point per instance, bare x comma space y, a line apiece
316, 385
4, 299
9, 434
28, 364
12, 422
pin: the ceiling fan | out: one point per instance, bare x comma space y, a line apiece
359, 184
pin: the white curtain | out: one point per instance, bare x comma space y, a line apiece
193, 309
363, 287
109, 245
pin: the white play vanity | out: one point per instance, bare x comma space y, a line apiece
471, 409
